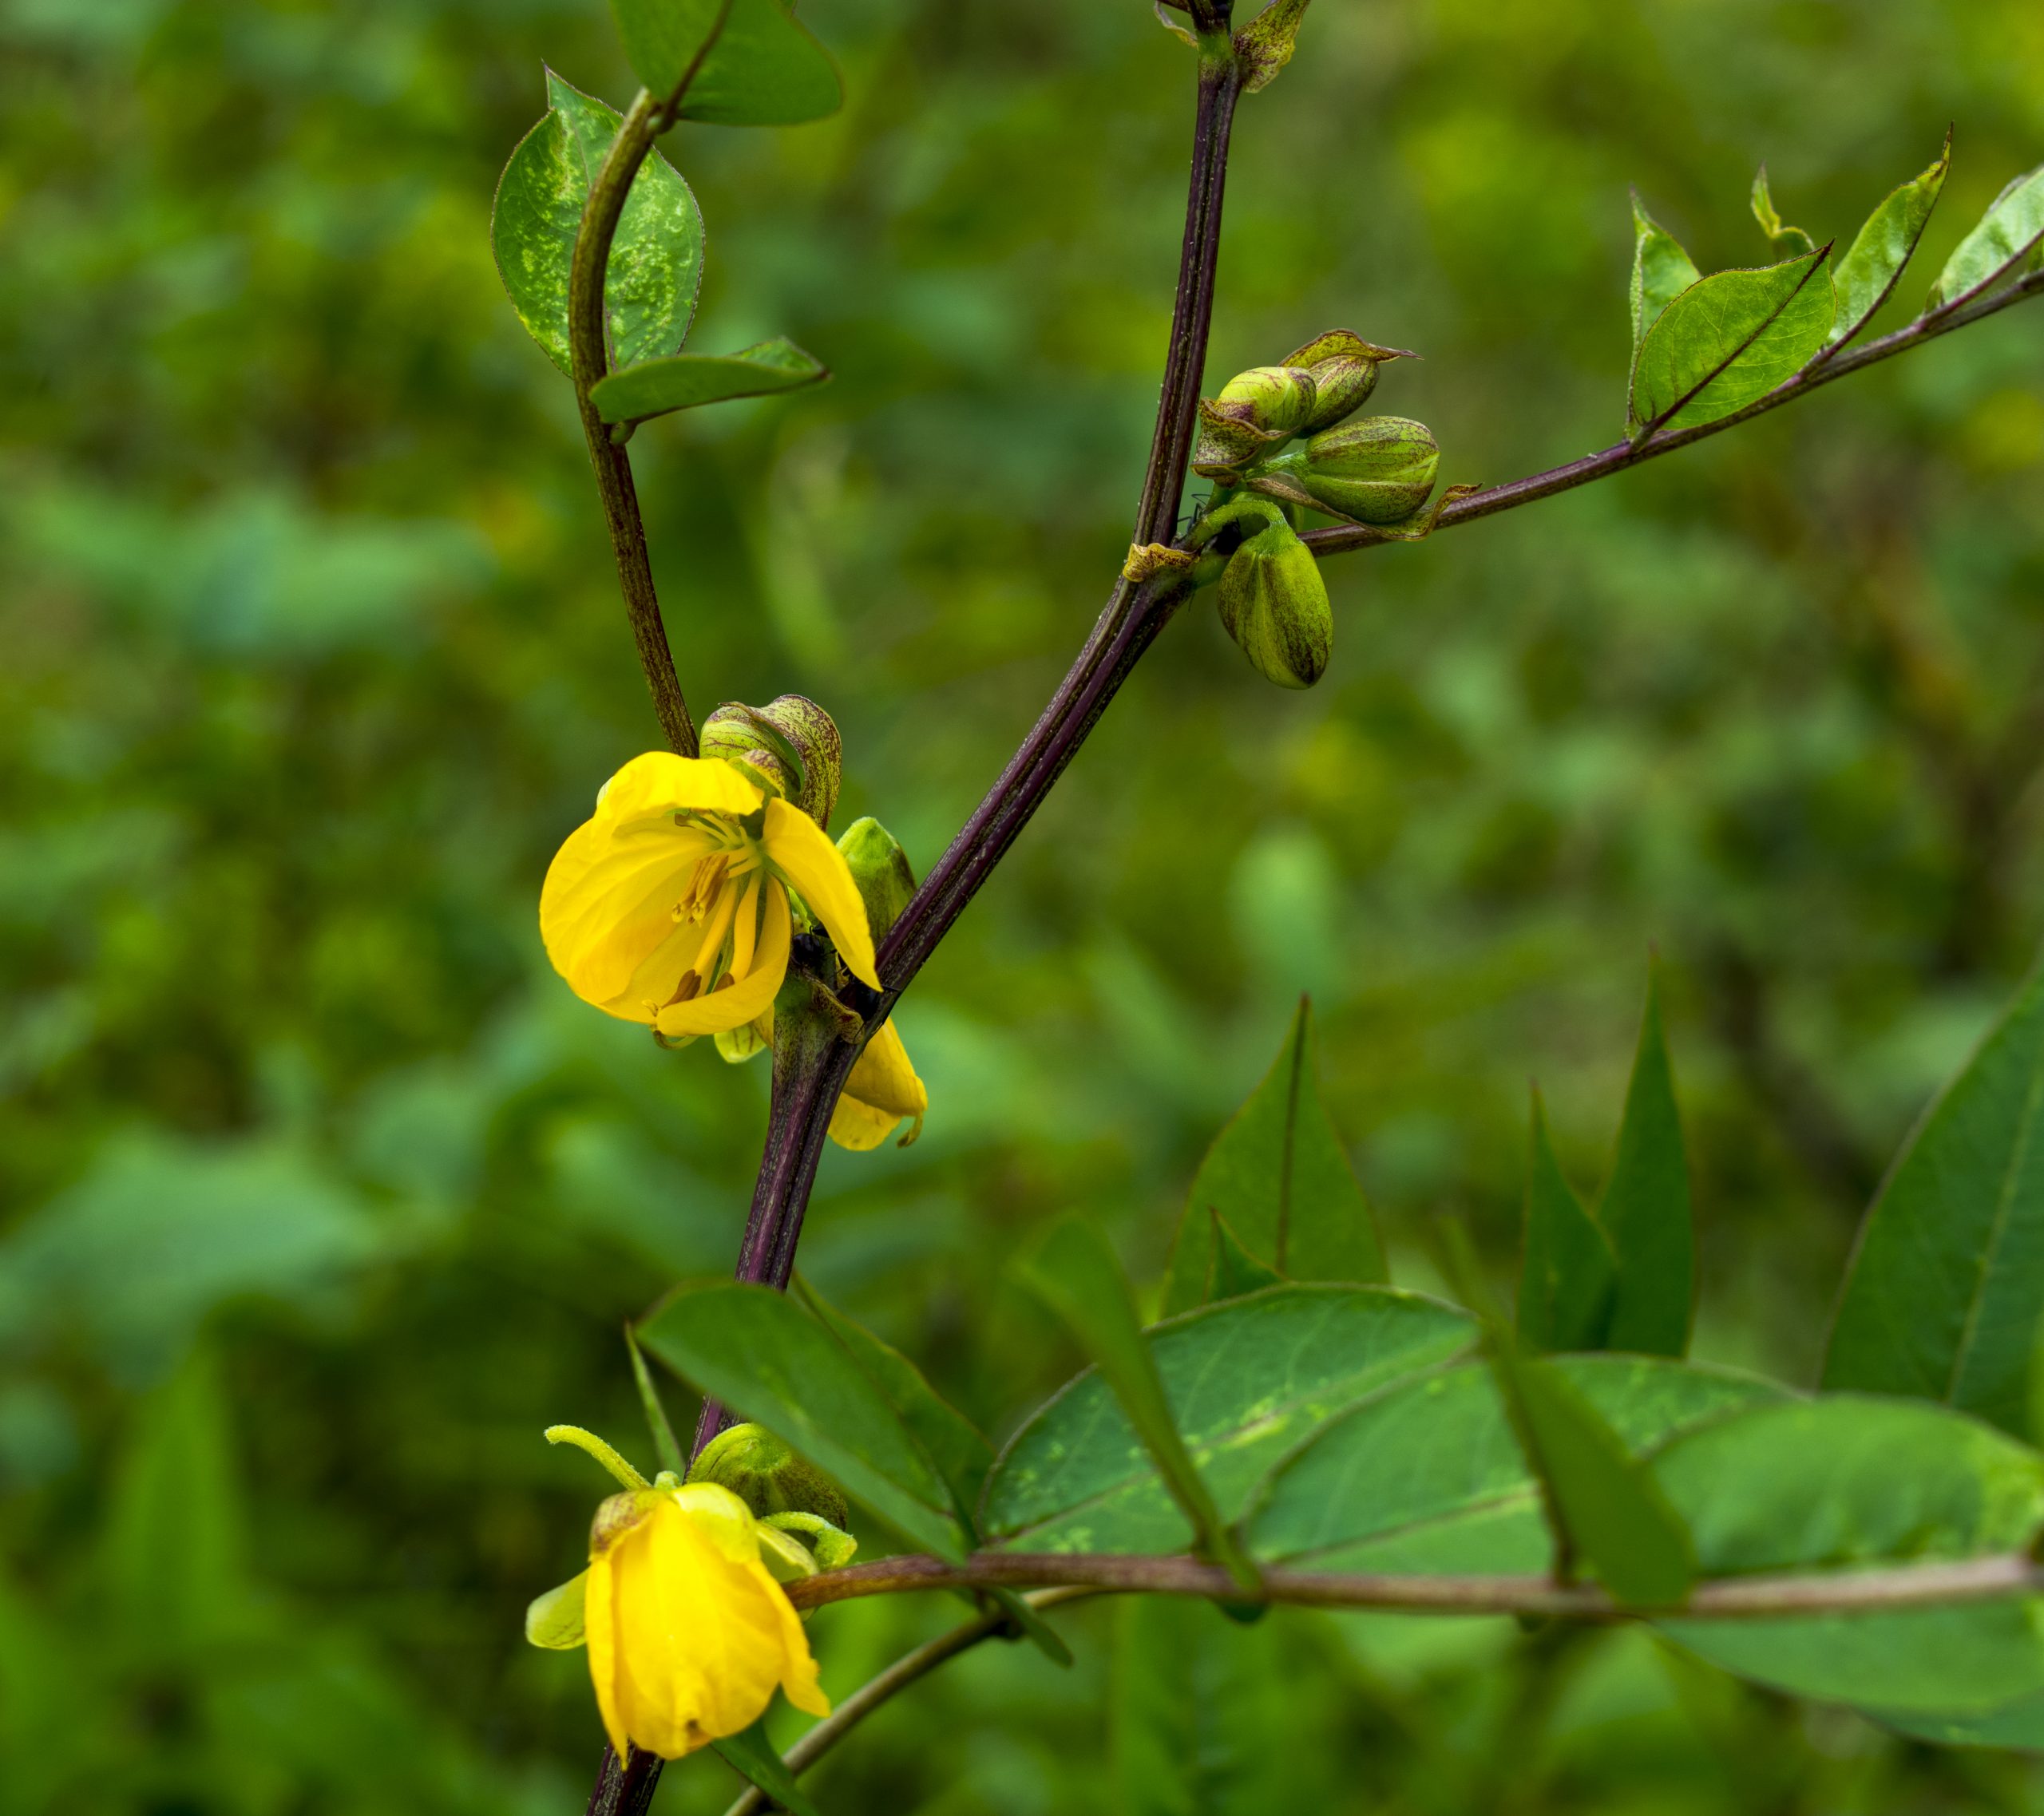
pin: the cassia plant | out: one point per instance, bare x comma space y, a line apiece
1296, 1429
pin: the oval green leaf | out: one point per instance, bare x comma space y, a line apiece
1729, 340
1246, 1381
1427, 1475
1848, 1482
2009, 228
762, 67
655, 269
684, 381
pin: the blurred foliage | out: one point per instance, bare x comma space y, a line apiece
323, 1196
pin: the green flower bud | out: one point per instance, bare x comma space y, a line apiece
790, 748
880, 868
1380, 469
1257, 410
1273, 603
1343, 366
767, 1476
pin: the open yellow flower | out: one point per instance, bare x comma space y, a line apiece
882, 1089
670, 905
688, 1634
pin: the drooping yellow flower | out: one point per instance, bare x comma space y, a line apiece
882, 1089
688, 1634
670, 905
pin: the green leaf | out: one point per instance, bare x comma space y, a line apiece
1612, 1513
2018, 1725
1645, 1211
751, 1755
949, 1439
684, 381
1871, 270
176, 1534
1661, 271
1943, 1300
1771, 223
1729, 340
1280, 1177
665, 1445
1197, 1720
554, 1620
655, 266
1235, 1272
2009, 228
765, 1357
1599, 1505
1075, 1273
1847, 1482
1247, 1382
763, 68
1426, 1475
1266, 43
1569, 1274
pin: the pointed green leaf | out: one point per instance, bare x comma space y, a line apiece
766, 1358
1871, 270
1197, 1712
1568, 1276
684, 381
554, 1620
1729, 340
1280, 1177
1784, 238
2012, 226
1645, 1211
656, 257
1235, 1271
1945, 1289
1614, 1515
1266, 44
1661, 271
1075, 1273
751, 1755
665, 1445
762, 68
1602, 1507
949, 1439
2017, 1726
1847, 1483
1248, 1381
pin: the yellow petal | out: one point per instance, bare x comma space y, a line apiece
750, 995
802, 852
859, 1126
659, 782
722, 1518
600, 1628
607, 906
883, 1088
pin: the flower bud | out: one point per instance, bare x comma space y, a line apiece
790, 748
1343, 368
767, 1476
880, 868
1273, 603
1379, 469
1257, 410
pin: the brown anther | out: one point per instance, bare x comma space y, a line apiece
690, 987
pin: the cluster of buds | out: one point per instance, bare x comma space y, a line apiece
1378, 470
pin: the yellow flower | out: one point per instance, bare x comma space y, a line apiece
671, 907
688, 1634
883, 1089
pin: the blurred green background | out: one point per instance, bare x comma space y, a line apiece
322, 1195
